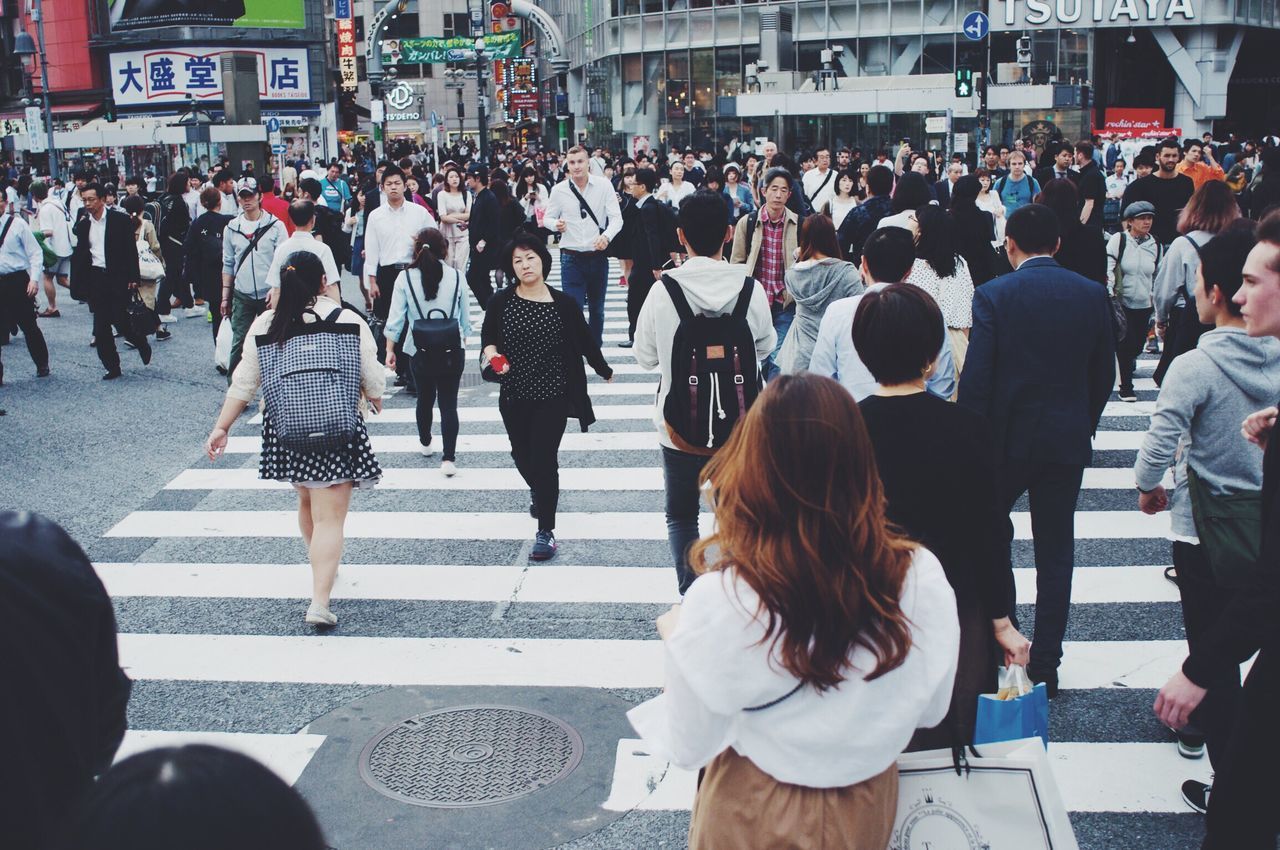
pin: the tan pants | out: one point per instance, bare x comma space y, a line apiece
740, 807
147, 289
959, 348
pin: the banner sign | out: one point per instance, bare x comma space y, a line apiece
169, 75
519, 90
1132, 122
347, 54
417, 51
128, 15
1055, 14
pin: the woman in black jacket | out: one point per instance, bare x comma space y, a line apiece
974, 230
540, 337
171, 230
1083, 249
201, 262
510, 214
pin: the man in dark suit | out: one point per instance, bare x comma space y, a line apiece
1040, 366
942, 189
654, 242
105, 259
1057, 157
482, 235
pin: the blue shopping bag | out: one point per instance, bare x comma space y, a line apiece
1025, 716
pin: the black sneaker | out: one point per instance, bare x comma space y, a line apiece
1128, 395
1196, 795
112, 375
162, 335
1190, 746
544, 547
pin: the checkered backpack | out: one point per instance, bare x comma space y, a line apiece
311, 384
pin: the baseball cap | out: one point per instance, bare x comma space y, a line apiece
1138, 208
246, 184
475, 169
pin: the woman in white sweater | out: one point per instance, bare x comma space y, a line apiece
813, 645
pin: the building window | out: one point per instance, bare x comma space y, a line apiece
456, 24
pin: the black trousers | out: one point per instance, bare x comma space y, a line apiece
1135, 337
535, 429
111, 310
387, 277
19, 309
480, 276
1053, 489
639, 282
1203, 601
1242, 810
433, 388
173, 284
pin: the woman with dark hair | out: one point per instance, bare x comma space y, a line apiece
941, 271
814, 643
820, 275
532, 194
843, 200
911, 193
1195, 429
623, 245
510, 213
1210, 211
990, 201
928, 450
974, 229
171, 230
411, 193
195, 797
534, 340
151, 262
323, 479
353, 224
432, 289
1082, 249
454, 202
202, 253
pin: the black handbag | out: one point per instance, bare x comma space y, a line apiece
142, 319
1230, 530
439, 340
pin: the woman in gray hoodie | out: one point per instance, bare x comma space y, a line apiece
820, 275
1206, 394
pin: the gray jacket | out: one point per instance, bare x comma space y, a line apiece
1205, 396
1138, 265
251, 275
813, 285
1178, 271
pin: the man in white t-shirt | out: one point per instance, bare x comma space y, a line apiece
820, 183
303, 216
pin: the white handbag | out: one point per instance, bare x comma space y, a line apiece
149, 265
1003, 797
222, 345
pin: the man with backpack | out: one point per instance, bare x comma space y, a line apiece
202, 254
1017, 188
705, 328
248, 247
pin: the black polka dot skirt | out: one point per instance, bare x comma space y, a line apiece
354, 463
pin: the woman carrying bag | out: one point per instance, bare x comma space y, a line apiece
816, 641
534, 341
323, 477
433, 300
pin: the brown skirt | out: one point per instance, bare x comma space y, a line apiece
740, 807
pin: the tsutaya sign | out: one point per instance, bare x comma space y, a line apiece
1023, 14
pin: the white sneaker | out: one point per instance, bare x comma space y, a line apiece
196, 312
427, 451
318, 616
448, 468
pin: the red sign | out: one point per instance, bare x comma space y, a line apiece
526, 100
1136, 123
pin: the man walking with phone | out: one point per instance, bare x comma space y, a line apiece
584, 211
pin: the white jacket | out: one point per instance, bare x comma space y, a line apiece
711, 287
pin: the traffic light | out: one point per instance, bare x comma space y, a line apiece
1024, 51
109, 111
964, 82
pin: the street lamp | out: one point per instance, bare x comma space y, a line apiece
24, 49
482, 99
455, 79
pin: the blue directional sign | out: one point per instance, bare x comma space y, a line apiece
976, 26
279, 149
435, 118
273, 125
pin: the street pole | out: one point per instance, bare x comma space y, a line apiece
477, 10
44, 86
373, 60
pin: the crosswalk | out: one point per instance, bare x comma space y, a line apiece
211, 582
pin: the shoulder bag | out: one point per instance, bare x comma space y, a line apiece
439, 339
1119, 320
1230, 530
582, 202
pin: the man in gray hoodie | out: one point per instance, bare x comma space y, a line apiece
1206, 394
711, 287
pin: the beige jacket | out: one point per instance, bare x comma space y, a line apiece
750, 254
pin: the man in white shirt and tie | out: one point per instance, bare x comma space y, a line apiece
21, 262
584, 211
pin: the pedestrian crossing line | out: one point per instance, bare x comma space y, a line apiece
602, 525
648, 585
1092, 777
523, 662
286, 755
1129, 408
408, 415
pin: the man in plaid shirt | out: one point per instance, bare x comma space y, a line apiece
766, 242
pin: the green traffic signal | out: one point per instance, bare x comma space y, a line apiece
964, 82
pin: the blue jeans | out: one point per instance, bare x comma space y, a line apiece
680, 472
781, 324
584, 278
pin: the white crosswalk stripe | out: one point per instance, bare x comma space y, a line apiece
441, 535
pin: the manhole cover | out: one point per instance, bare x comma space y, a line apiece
470, 756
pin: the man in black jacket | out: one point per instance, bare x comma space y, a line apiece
653, 247
1040, 367
1241, 810
482, 235
105, 263
65, 695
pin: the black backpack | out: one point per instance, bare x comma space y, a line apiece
714, 374
209, 243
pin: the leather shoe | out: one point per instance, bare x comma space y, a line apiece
42, 373
626, 344
145, 351
111, 376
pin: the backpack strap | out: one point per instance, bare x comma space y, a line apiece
676, 293
744, 297
414, 295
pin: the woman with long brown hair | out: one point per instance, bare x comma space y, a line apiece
813, 645
821, 275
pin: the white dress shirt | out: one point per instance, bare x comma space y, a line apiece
98, 240
20, 251
303, 240
580, 232
812, 180
389, 234
229, 205
719, 662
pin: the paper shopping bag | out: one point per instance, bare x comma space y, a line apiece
1005, 797
1005, 717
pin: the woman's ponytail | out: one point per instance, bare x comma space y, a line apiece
301, 280
429, 252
